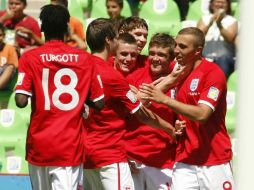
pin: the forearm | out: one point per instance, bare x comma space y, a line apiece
193, 112
150, 118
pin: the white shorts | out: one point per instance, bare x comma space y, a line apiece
151, 178
192, 177
56, 178
116, 176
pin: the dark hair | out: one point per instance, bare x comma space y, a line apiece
196, 32
127, 38
119, 2
163, 40
228, 11
62, 2
54, 21
23, 1
97, 32
131, 23
2, 28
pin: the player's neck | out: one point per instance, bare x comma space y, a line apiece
103, 55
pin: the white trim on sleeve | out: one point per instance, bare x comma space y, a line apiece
136, 109
207, 103
99, 98
23, 92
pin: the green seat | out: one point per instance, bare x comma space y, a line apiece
231, 102
99, 9
161, 16
24, 112
12, 139
197, 9
235, 10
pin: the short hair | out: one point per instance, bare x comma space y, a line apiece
119, 2
61, 2
196, 32
131, 23
2, 28
23, 1
163, 40
97, 32
228, 11
54, 21
126, 38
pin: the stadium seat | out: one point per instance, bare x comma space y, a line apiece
12, 139
25, 112
162, 16
99, 9
197, 9
231, 102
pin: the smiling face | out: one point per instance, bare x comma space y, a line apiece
113, 9
140, 35
17, 6
126, 56
216, 5
159, 59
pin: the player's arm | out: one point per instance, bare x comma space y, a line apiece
148, 117
200, 113
21, 100
98, 105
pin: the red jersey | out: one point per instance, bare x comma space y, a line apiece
207, 143
104, 142
59, 78
28, 22
145, 144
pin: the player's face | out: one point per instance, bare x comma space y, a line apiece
185, 51
159, 59
113, 9
126, 56
140, 34
17, 7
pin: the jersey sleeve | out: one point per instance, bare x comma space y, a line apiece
96, 90
123, 92
24, 82
213, 89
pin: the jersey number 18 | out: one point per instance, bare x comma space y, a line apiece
60, 89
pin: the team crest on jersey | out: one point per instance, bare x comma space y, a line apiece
213, 93
194, 84
131, 96
20, 78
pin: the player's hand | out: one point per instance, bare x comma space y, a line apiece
180, 127
24, 32
151, 93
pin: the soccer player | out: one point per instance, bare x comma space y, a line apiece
106, 164
59, 79
152, 150
126, 54
204, 152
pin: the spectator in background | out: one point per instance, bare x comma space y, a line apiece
75, 36
183, 6
114, 8
8, 61
221, 30
23, 30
